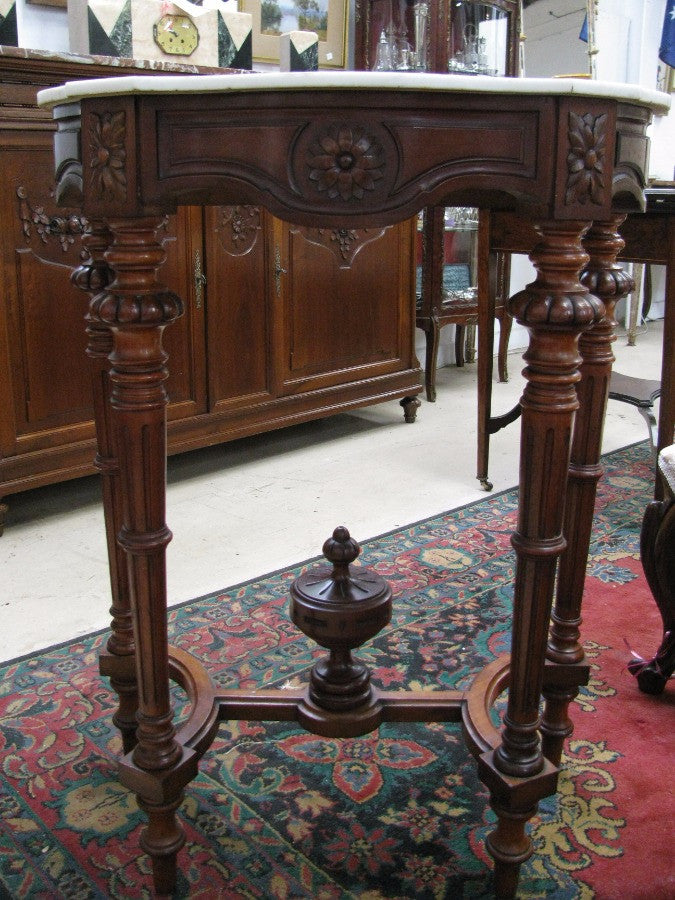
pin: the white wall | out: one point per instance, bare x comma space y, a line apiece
552, 45
41, 27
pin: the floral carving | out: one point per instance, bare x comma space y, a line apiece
586, 158
239, 228
34, 219
345, 162
108, 155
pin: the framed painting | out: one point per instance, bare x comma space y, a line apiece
272, 18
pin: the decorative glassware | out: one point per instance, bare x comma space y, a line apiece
421, 11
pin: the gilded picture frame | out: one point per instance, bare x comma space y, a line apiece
271, 18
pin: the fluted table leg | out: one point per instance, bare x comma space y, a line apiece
555, 308
136, 308
567, 669
118, 660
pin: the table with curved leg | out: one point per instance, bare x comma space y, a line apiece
344, 150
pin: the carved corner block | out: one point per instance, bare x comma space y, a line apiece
585, 157
109, 157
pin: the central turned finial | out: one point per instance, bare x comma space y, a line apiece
340, 610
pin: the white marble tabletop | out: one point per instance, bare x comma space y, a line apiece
345, 80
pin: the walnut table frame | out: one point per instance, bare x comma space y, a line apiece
350, 150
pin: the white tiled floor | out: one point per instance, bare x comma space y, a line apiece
252, 506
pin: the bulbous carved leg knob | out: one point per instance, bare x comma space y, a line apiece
340, 610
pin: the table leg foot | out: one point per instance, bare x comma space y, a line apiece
509, 846
161, 840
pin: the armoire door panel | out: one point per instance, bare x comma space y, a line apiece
343, 324
44, 312
51, 390
184, 340
238, 339
56, 388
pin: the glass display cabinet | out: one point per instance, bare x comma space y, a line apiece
467, 38
438, 36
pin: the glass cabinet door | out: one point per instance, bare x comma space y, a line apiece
460, 36
478, 39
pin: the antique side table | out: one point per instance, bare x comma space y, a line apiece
353, 149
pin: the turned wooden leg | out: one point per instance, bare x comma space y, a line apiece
118, 661
555, 308
136, 308
509, 846
567, 669
161, 840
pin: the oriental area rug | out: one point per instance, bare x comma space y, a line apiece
278, 813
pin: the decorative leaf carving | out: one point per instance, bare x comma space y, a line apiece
34, 220
586, 158
108, 155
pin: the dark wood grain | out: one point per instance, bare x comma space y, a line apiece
141, 159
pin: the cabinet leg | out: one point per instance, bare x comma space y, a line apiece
410, 406
4, 509
605, 278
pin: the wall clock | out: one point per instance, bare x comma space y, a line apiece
176, 35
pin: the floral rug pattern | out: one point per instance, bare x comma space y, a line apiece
279, 813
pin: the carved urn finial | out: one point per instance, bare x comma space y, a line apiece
340, 609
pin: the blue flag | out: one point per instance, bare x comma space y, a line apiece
667, 48
583, 34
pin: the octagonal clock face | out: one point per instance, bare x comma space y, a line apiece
176, 35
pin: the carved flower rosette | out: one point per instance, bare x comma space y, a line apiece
345, 162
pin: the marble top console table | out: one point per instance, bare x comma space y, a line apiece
352, 149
